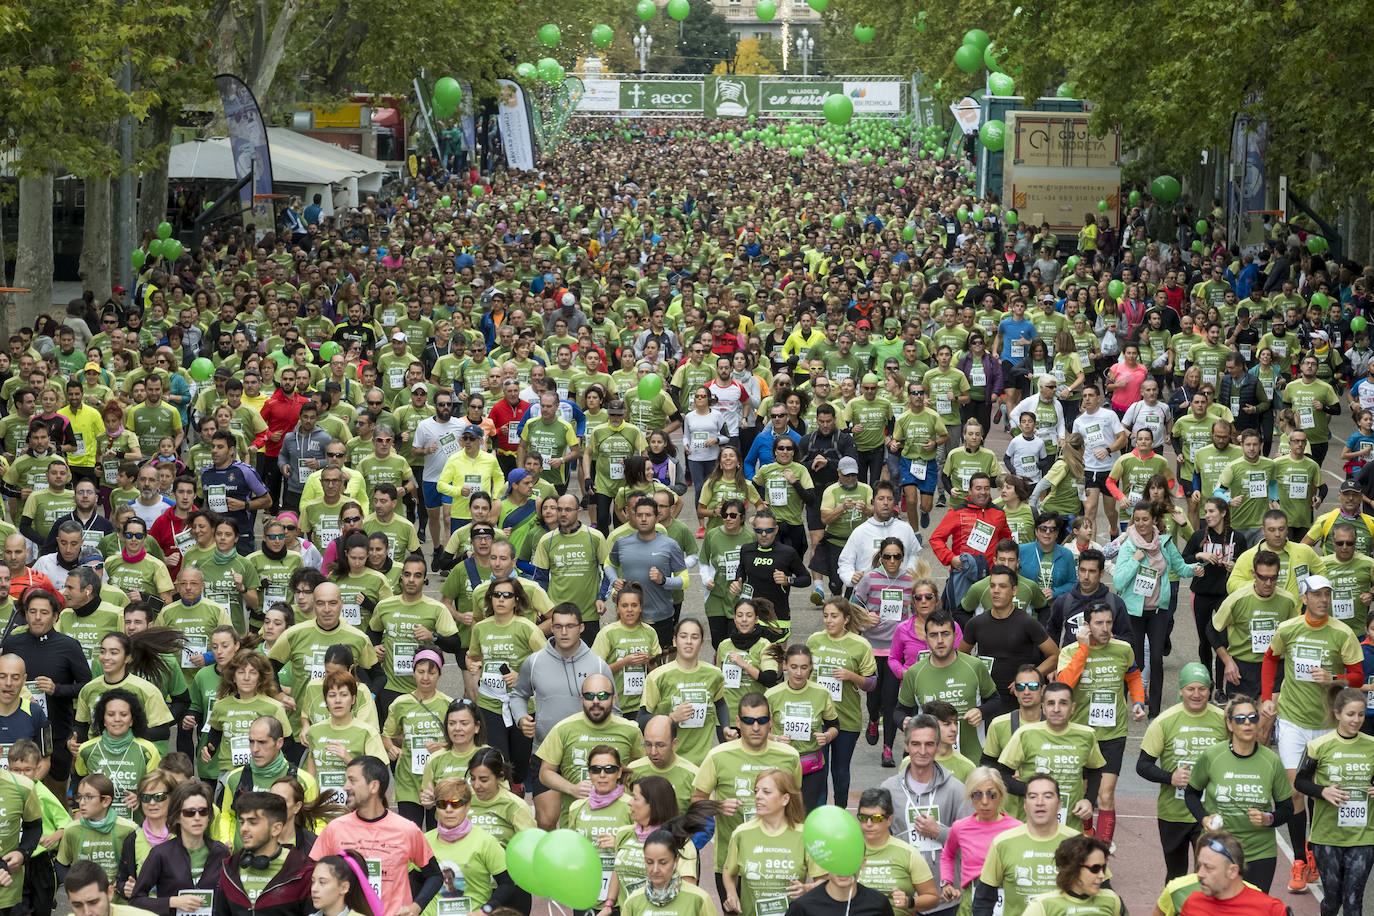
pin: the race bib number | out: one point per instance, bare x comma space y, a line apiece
1297, 489
833, 685
981, 538
472, 482
698, 717
353, 613
1306, 661
1306, 419
1018, 349
891, 605
770, 906
914, 837
110, 468
617, 469
1256, 487
331, 783
978, 377
797, 728
777, 491
40, 699
238, 751
206, 898
942, 403
217, 497
374, 875
403, 658
419, 756
1146, 581
80, 444
395, 378
918, 469
492, 683
1354, 813
632, 681
699, 438
1343, 606
316, 664
1102, 709
302, 473
1261, 634
734, 675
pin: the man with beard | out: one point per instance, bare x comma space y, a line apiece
565, 750
268, 878
382, 837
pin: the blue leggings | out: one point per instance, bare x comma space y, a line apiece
841, 753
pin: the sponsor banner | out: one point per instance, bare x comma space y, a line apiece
967, 114
875, 98
785, 97
248, 144
732, 96
661, 95
600, 95
1060, 140
515, 123
1061, 202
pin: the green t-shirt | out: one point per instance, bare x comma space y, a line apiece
738, 680
627, 860
800, 715
1132, 473
720, 551
1305, 649
1178, 738
304, 644
569, 744
498, 644
233, 716
45, 507
396, 619
782, 496
851, 652
1347, 763
608, 447
766, 864
1232, 785
943, 388
154, 705
1312, 419
1105, 902
1099, 697
1250, 481
872, 416
446, 763
356, 740
90, 629
574, 562
79, 841
549, 441
1249, 621
1064, 755
616, 641
414, 724
690, 901
838, 531
1066, 491
222, 588
964, 683
503, 817
275, 576
1348, 582
1193, 435
148, 576
392, 469
1209, 463
1298, 482
255, 880
961, 464
477, 858
729, 771
1021, 866
894, 865
400, 535
360, 594
715, 493
150, 423
913, 431
670, 685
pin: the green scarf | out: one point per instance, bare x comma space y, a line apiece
223, 559
265, 776
117, 745
104, 825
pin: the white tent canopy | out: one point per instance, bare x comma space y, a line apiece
334, 173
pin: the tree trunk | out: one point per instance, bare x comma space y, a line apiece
33, 265
95, 266
260, 78
152, 198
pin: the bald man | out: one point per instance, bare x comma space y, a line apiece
195, 616
16, 559
563, 753
661, 759
21, 718
304, 644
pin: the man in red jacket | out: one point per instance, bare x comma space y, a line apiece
278, 876
966, 539
505, 417
281, 412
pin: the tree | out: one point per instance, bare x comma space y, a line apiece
749, 58
700, 41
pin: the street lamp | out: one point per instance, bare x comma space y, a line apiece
643, 42
805, 45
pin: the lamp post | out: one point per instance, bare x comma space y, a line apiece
643, 42
805, 45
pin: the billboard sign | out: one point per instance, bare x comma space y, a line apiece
785, 97
661, 95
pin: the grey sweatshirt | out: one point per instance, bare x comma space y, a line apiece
555, 682
946, 795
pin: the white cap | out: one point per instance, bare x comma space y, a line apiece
849, 466
399, 335
569, 300
1312, 583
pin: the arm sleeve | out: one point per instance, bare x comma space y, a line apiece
1305, 779
430, 880
504, 892
1147, 767
1114, 489
1193, 799
1354, 675
29, 834
984, 898
1071, 672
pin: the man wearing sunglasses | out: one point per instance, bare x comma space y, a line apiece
565, 750
769, 568
1028, 689
1350, 573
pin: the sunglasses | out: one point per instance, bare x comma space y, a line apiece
1220, 849
290, 527
893, 556
1096, 869
597, 769
599, 696
916, 392
352, 519
729, 515
503, 594
202, 811
274, 537
1028, 685
924, 596
136, 535
755, 720
979, 794
333, 454
450, 803
152, 798
1242, 718
872, 818
1344, 543
1047, 528
765, 530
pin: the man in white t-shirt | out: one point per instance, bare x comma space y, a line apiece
1103, 436
437, 439
731, 396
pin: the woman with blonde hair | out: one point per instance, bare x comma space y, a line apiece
971, 837
464, 850
766, 863
845, 666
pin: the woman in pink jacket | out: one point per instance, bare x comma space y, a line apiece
971, 837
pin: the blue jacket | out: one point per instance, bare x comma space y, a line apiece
1123, 577
1063, 573
761, 452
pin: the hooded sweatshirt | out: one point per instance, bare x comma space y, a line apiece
946, 795
555, 683
863, 543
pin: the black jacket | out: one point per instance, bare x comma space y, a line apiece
1055, 618
756, 566
167, 872
839, 444
1244, 393
61, 658
287, 894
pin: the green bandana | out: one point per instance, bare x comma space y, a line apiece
223, 559
117, 745
104, 825
268, 774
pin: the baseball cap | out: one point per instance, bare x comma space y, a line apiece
863, 323
1350, 486
472, 429
224, 372
420, 386
399, 335
1314, 583
848, 466
92, 367
1047, 298
1194, 673
119, 289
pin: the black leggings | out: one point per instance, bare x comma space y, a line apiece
1319, 451
511, 742
977, 410
883, 699
1177, 841
1260, 873
417, 814
1156, 624
720, 628
871, 465
1344, 871
794, 536
605, 513
271, 478
1203, 608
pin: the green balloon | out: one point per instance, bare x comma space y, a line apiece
1064, 91
541, 195
478, 190
164, 230
329, 349
1358, 323
550, 70
1314, 245
819, 6
1101, 206
1197, 245
991, 55
1201, 227
447, 93
155, 248
445, 201
967, 58
526, 71
602, 36
1072, 262
1134, 198
1012, 218
1320, 300
678, 10
649, 386
1166, 188
138, 257
864, 33
977, 214
765, 10
837, 108
898, 181
837, 221
570, 867
908, 232
171, 249
1117, 288
549, 36
1001, 84
962, 213
977, 38
645, 10
202, 370
520, 851
833, 840
993, 134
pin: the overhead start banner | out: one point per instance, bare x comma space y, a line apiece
729, 96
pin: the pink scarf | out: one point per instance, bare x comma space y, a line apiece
133, 557
642, 833
1154, 558
155, 839
454, 834
596, 801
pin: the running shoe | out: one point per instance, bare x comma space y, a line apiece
888, 762
1297, 882
872, 735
